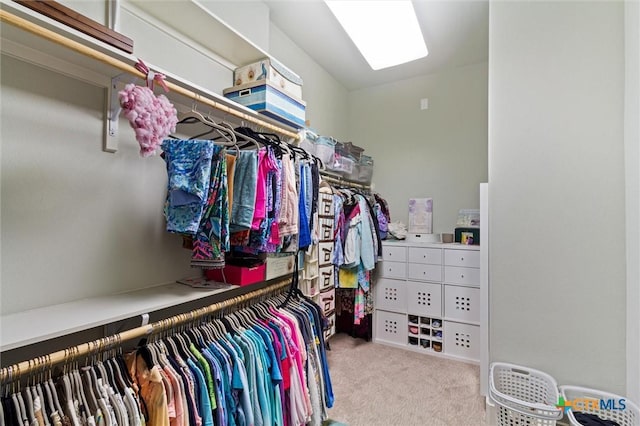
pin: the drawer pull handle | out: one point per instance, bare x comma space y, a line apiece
461, 275
462, 259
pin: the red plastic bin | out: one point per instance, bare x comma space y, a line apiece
238, 275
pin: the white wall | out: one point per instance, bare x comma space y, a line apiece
556, 172
632, 168
77, 222
326, 98
440, 152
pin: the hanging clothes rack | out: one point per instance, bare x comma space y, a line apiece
130, 69
11, 373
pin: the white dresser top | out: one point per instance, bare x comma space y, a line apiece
405, 243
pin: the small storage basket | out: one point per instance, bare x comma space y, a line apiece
524, 396
629, 416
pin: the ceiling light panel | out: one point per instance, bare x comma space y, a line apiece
387, 33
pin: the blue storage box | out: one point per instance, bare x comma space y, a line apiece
265, 98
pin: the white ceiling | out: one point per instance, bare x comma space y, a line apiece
456, 33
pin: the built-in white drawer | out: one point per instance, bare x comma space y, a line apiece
393, 269
462, 303
393, 253
466, 258
462, 340
391, 295
464, 276
424, 272
431, 256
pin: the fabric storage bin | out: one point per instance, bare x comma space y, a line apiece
328, 300
326, 205
324, 252
266, 99
272, 71
326, 228
326, 277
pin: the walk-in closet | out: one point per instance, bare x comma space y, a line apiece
255, 213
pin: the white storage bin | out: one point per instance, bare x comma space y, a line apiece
391, 327
424, 299
419, 271
431, 256
462, 303
464, 276
462, 340
393, 269
391, 295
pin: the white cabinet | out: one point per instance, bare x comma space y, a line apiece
427, 298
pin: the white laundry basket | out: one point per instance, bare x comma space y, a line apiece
629, 416
524, 396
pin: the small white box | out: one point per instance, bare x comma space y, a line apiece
272, 71
278, 266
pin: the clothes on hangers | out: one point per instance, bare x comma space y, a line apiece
357, 248
246, 201
262, 366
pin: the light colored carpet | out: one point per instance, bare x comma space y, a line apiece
376, 385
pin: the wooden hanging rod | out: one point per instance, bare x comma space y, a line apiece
130, 69
45, 362
343, 182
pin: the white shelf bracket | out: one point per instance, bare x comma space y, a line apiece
112, 114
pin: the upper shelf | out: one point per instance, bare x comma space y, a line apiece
48, 52
196, 22
36, 325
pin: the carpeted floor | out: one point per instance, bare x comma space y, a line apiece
377, 385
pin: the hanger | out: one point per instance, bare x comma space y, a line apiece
194, 117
